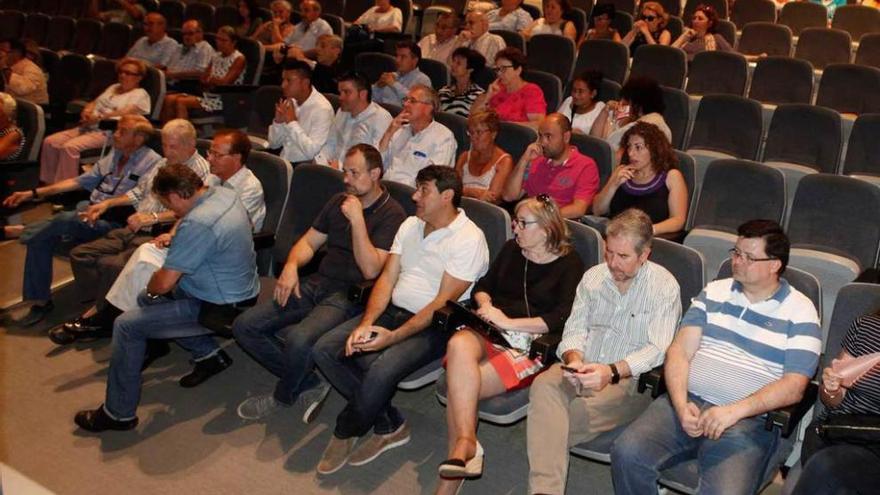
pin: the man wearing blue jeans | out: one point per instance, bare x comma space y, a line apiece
436, 256
211, 260
357, 228
746, 346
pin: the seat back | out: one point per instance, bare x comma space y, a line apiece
801, 15
853, 301
154, 84
336, 23
838, 215
172, 11
515, 138
202, 12
70, 79
675, 26
550, 85
492, 220
512, 39
458, 125
103, 75
736, 191
683, 262
805, 282
720, 7
857, 20
608, 90
747, 11
706, 68
868, 52
265, 98
437, 71
86, 37
778, 80
728, 124
373, 64
588, 243
36, 26
727, 30
608, 57
49, 60
863, 147
29, 118
806, 135
115, 40
354, 9
50, 7
402, 193
275, 174
672, 7
254, 55
850, 88
628, 6
406, 8
578, 17
677, 114
823, 47
688, 168
597, 149
665, 64
765, 37
553, 54
333, 7
227, 15
12, 23
60, 32
622, 22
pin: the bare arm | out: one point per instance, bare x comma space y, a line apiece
451, 289
301, 253
231, 75
368, 257
513, 188
677, 366
677, 204
380, 297
832, 392
162, 281
575, 209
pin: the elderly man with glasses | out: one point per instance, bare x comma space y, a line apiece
476, 36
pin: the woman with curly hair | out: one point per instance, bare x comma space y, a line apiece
701, 36
646, 179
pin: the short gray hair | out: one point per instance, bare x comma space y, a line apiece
634, 224
181, 129
431, 94
9, 105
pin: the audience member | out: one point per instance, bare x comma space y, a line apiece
746, 346
190, 59
553, 22
358, 120
127, 11
476, 36
302, 118
527, 292
393, 86
124, 168
554, 167
22, 78
845, 463
414, 140
155, 47
12, 138
484, 168
306, 33
647, 179
382, 18
249, 19
509, 17
273, 32
602, 17
702, 34
357, 227
227, 157
440, 45
59, 158
325, 66
623, 319
211, 263
459, 97
583, 106
515, 99
641, 100
226, 67
436, 256
650, 29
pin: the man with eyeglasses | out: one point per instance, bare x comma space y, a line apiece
747, 345
623, 318
124, 168
476, 36
190, 58
415, 140
392, 87
555, 168
155, 46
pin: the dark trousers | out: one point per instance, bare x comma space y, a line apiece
840, 470
96, 264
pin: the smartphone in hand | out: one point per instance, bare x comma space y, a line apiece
569, 369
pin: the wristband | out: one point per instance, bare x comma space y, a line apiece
615, 375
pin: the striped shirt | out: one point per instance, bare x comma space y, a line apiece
191, 58
746, 346
459, 104
864, 396
636, 326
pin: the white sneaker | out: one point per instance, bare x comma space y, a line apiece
314, 399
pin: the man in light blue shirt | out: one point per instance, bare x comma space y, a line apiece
189, 59
393, 86
155, 46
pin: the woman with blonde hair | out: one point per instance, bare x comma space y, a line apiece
11, 136
650, 29
484, 167
527, 292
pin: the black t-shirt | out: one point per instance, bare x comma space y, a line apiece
551, 287
383, 218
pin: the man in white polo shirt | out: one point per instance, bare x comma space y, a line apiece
436, 256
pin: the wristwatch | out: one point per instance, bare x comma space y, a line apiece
615, 375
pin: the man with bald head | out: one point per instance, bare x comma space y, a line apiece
306, 33
476, 36
191, 58
555, 168
155, 47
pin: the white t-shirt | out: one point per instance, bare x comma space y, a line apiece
581, 121
109, 101
458, 249
376, 20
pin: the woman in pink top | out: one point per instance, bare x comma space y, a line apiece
512, 98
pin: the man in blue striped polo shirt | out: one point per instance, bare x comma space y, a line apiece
746, 346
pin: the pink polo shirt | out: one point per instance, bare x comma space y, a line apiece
516, 106
577, 178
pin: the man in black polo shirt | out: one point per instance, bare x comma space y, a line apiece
357, 227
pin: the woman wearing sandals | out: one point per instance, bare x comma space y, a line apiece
527, 292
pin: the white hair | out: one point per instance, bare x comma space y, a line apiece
8, 103
181, 129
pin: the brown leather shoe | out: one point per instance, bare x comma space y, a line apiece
335, 455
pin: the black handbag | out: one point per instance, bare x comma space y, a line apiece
857, 429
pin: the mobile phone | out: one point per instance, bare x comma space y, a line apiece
569, 369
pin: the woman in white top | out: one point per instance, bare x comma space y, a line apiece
226, 68
553, 22
382, 18
484, 168
510, 17
59, 158
582, 108
641, 100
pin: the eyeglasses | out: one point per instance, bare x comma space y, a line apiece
501, 68
129, 73
477, 132
218, 154
410, 99
746, 257
519, 223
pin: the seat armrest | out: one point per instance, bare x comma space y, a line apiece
360, 293
544, 347
788, 418
653, 381
263, 239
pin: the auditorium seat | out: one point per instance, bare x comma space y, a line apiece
716, 72
801, 15
868, 52
746, 11
863, 149
778, 80
608, 57
850, 88
373, 64
459, 127
437, 71
553, 54
823, 47
665, 64
550, 85
768, 38
597, 149
857, 20
515, 138
202, 12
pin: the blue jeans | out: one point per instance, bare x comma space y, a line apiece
166, 319
840, 470
733, 464
41, 241
368, 381
281, 337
